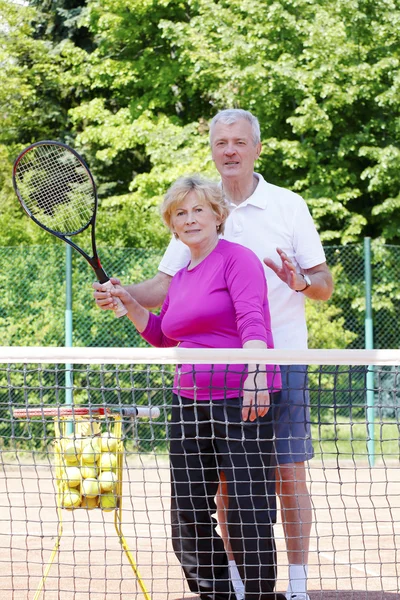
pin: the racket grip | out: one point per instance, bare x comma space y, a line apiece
121, 310
152, 412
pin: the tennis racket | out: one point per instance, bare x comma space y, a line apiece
153, 412
57, 191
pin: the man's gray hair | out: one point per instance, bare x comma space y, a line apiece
232, 115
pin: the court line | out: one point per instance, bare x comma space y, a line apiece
331, 557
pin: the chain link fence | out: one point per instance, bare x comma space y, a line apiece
33, 313
33, 298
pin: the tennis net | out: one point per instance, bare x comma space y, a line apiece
70, 441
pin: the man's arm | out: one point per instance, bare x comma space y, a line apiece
150, 293
321, 287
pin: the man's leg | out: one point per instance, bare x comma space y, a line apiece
296, 520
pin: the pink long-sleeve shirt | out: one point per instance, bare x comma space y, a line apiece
220, 303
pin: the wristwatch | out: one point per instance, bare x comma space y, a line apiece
307, 280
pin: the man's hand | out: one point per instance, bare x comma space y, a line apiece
286, 271
104, 299
256, 400
321, 287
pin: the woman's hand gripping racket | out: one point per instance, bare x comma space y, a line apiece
57, 191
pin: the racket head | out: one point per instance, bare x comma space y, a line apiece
55, 187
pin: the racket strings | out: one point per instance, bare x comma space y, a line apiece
56, 188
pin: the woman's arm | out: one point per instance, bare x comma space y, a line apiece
248, 288
137, 314
150, 293
147, 324
256, 400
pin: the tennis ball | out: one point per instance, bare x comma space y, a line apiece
70, 462
108, 461
72, 451
108, 442
89, 471
90, 503
108, 502
91, 451
108, 481
72, 476
90, 487
71, 498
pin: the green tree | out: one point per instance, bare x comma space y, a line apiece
321, 76
34, 105
133, 84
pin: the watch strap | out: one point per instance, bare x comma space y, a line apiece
307, 281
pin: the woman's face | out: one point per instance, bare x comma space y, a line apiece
194, 221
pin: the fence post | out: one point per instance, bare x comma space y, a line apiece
369, 345
68, 329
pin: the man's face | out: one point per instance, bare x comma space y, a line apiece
233, 150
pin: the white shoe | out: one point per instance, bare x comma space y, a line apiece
294, 596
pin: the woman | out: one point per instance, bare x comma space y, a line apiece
221, 421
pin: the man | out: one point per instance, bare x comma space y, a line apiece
276, 224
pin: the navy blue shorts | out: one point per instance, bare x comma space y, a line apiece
292, 417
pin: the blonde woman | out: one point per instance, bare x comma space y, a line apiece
221, 416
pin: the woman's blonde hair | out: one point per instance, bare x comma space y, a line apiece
205, 189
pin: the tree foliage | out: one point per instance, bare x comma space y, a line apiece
133, 84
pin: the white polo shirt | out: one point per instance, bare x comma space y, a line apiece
272, 217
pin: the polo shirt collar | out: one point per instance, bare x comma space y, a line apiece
259, 197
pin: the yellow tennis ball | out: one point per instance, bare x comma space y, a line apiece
90, 487
72, 451
90, 503
108, 481
91, 451
70, 461
71, 498
108, 461
108, 502
108, 442
72, 476
89, 471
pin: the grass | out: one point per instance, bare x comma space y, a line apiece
334, 438
346, 439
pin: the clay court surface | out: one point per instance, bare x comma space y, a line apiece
355, 546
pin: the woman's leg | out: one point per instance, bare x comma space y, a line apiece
194, 481
222, 501
247, 458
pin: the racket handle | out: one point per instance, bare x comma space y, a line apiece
153, 412
121, 310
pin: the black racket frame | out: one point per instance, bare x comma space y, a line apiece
93, 261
